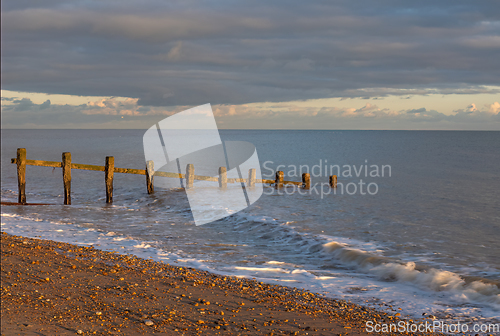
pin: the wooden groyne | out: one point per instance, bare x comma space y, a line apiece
109, 169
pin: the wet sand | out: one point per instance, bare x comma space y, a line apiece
52, 288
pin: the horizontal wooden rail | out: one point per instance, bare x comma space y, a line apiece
39, 163
81, 166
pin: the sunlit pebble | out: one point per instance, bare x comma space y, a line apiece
148, 322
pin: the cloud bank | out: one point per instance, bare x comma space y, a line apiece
106, 113
225, 52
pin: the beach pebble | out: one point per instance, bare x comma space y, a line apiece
79, 332
148, 322
98, 313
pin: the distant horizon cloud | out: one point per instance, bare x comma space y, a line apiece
110, 113
188, 53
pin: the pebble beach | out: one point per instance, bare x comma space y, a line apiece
53, 288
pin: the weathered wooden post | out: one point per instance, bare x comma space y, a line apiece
306, 181
279, 179
150, 171
222, 177
109, 171
333, 181
21, 175
189, 175
66, 170
252, 174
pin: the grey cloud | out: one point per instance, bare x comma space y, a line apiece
300, 65
22, 104
420, 110
112, 113
226, 52
368, 117
45, 104
23, 113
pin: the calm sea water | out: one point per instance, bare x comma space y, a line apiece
426, 239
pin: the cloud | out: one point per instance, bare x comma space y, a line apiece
23, 104
175, 53
473, 115
300, 65
129, 113
113, 106
494, 108
471, 108
369, 116
420, 110
181, 53
482, 42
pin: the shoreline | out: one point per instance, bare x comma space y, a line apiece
51, 288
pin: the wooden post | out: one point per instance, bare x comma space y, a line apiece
222, 177
150, 171
21, 175
333, 181
66, 170
306, 181
252, 173
279, 179
109, 170
189, 175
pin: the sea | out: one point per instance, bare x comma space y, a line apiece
413, 226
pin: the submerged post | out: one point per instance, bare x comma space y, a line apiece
252, 173
109, 170
21, 175
150, 171
222, 177
333, 181
306, 180
189, 175
279, 179
66, 170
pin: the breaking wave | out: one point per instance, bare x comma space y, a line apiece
481, 291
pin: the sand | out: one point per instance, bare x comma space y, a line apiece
53, 288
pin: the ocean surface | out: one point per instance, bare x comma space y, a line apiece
423, 237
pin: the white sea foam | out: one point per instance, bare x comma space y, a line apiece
430, 279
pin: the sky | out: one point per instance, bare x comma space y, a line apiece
336, 64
